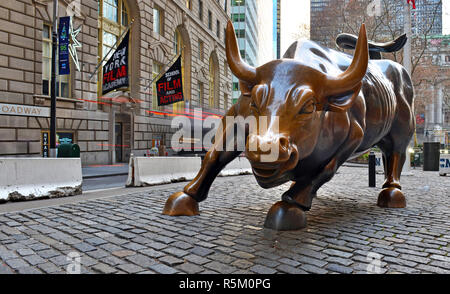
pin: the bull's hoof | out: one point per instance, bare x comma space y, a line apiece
391, 198
180, 204
284, 216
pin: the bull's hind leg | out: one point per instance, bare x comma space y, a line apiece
186, 202
394, 156
391, 196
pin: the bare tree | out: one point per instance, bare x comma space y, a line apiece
346, 16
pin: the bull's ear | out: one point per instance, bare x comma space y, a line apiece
344, 101
246, 88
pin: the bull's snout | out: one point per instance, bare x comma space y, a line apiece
274, 149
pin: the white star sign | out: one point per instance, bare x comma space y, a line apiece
74, 45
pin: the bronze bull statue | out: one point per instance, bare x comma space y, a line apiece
330, 106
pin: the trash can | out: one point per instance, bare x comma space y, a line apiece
431, 156
66, 150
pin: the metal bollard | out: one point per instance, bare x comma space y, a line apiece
372, 171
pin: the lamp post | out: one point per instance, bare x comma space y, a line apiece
53, 81
407, 66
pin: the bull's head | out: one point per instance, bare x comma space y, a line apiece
296, 95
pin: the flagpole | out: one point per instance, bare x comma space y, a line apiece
407, 66
110, 49
53, 83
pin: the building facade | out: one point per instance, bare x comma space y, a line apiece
108, 128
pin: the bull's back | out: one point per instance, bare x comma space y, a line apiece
386, 88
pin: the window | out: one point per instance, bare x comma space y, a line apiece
189, 4
238, 17
447, 58
240, 33
225, 102
201, 93
210, 19
237, 2
212, 81
235, 86
156, 69
62, 82
157, 20
113, 21
124, 15
200, 10
201, 50
110, 10
218, 29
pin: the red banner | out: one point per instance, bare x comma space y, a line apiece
413, 2
170, 87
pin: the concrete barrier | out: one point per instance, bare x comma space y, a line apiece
31, 178
444, 164
239, 166
149, 171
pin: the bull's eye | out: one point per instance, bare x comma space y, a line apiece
308, 108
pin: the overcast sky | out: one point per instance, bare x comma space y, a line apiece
294, 20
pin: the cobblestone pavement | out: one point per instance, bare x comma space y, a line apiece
346, 231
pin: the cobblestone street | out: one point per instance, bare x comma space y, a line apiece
128, 234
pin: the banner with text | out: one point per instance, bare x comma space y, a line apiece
170, 86
63, 43
115, 71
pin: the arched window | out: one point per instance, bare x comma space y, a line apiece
178, 47
212, 76
213, 81
113, 21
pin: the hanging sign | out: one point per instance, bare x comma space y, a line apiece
63, 43
170, 86
115, 71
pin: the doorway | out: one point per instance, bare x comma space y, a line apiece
119, 141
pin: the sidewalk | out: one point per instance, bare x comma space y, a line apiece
123, 231
98, 171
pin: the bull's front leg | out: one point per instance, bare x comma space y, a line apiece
185, 203
290, 213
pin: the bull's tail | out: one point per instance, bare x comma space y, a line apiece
348, 41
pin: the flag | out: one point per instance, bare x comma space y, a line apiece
413, 2
170, 86
115, 71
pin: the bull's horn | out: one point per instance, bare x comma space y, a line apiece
239, 67
355, 72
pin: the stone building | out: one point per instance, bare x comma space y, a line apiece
108, 128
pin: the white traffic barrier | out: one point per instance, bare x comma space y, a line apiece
444, 165
149, 171
31, 178
239, 166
